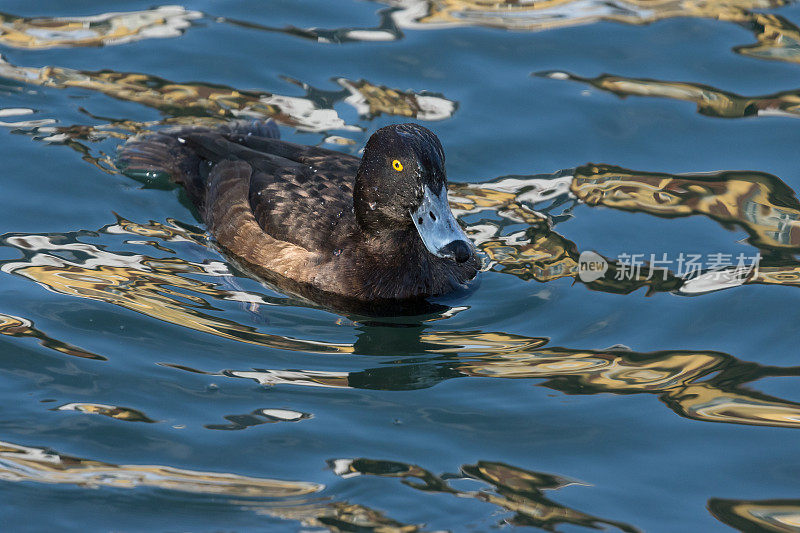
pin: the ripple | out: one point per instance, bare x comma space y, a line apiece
761, 204
259, 417
777, 38
112, 411
38, 33
157, 287
699, 385
710, 101
760, 515
42, 465
312, 112
513, 489
15, 326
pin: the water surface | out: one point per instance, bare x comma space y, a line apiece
149, 384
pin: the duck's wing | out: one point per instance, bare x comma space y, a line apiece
298, 194
231, 221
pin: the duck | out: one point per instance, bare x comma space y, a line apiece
314, 222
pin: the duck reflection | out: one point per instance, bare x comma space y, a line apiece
699, 385
710, 101
513, 489
757, 515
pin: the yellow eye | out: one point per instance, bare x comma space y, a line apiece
397, 165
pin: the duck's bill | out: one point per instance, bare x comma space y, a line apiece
437, 226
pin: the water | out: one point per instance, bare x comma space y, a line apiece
148, 384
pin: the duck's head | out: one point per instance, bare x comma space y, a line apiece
402, 183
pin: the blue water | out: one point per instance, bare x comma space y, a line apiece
132, 348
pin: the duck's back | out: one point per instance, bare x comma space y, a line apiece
297, 194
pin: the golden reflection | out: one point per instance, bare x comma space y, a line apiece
336, 516
172, 231
710, 101
112, 411
778, 273
513, 489
312, 112
160, 288
777, 38
705, 386
41, 465
699, 385
15, 326
39, 33
782, 516
287, 500
536, 252
759, 203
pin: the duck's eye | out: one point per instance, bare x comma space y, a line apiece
397, 165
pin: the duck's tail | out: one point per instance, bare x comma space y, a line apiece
166, 154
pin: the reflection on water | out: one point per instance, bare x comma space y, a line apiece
120, 413
197, 103
512, 489
536, 252
777, 38
97, 30
759, 203
312, 112
15, 326
41, 465
259, 417
281, 499
336, 516
710, 101
157, 287
781, 516
699, 385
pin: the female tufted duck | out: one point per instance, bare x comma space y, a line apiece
317, 222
